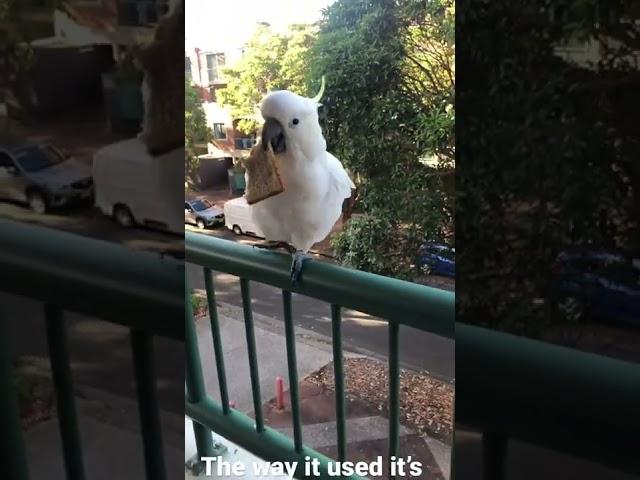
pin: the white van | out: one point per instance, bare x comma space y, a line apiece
134, 187
237, 217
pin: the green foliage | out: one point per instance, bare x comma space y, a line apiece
196, 131
16, 53
372, 243
368, 243
272, 61
198, 304
388, 109
5, 10
556, 167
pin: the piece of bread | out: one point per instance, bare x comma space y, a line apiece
263, 180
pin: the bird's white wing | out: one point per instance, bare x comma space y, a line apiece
338, 177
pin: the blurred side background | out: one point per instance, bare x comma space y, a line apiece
89, 228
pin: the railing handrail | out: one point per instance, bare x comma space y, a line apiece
137, 289
552, 396
394, 300
397, 302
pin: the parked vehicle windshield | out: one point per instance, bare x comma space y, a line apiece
200, 205
34, 159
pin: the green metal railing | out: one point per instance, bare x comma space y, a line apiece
562, 399
507, 387
70, 273
401, 304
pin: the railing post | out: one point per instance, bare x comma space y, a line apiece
12, 454
143, 364
195, 388
292, 364
394, 391
65, 401
217, 341
338, 380
494, 453
253, 354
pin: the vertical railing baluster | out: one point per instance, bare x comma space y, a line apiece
394, 390
217, 341
12, 455
148, 408
196, 391
338, 375
253, 357
494, 454
65, 400
452, 460
292, 364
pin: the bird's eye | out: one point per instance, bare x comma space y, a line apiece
295, 121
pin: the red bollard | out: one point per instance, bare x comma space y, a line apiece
279, 393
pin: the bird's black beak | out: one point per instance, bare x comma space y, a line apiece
272, 132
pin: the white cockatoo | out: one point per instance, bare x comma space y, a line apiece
315, 183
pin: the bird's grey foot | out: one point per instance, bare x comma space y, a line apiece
299, 257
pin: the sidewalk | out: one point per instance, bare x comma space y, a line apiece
367, 426
271, 351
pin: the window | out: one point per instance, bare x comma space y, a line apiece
34, 159
219, 131
202, 204
245, 143
215, 62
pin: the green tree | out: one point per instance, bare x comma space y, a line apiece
272, 61
16, 55
388, 111
555, 169
196, 131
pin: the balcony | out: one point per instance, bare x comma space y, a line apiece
502, 380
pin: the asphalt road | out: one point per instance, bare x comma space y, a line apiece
418, 350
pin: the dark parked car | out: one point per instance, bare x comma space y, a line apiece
203, 213
41, 176
590, 284
438, 259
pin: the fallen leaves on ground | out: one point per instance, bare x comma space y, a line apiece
426, 404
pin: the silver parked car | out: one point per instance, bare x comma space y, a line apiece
41, 176
203, 213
